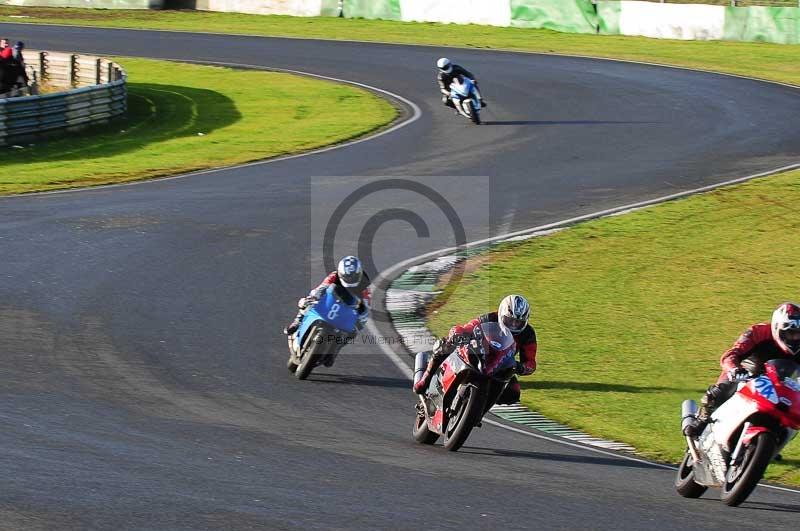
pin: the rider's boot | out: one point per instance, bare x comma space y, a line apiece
440, 351
294, 325
707, 406
425, 381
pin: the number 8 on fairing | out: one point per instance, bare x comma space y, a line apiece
334, 311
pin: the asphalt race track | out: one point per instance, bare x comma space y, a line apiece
143, 383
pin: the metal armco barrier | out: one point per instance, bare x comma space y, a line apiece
95, 92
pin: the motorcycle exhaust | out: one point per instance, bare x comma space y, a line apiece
420, 364
688, 413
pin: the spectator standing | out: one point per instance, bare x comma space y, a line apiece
5, 50
19, 76
5, 58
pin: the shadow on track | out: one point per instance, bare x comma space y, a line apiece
564, 122
566, 458
777, 507
600, 387
369, 381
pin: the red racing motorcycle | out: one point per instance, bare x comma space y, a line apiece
465, 387
744, 435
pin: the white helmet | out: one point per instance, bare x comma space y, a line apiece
786, 328
513, 313
444, 65
350, 271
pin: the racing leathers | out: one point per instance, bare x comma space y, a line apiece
446, 78
752, 350
526, 348
344, 293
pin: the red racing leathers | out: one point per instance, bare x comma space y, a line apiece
526, 347
755, 346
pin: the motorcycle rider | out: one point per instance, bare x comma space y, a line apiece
351, 283
758, 344
512, 315
447, 73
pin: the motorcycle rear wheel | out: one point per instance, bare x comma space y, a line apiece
757, 456
422, 434
468, 415
684, 481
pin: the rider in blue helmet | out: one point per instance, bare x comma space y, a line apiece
349, 277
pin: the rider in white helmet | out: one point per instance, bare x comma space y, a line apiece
512, 315
449, 71
780, 338
349, 277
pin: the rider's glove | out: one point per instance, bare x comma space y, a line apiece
524, 370
738, 374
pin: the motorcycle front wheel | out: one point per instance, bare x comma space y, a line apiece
474, 114
461, 422
741, 479
311, 355
422, 434
684, 481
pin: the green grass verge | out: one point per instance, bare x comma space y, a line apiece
633, 312
768, 61
186, 117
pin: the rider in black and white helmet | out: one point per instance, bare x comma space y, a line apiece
348, 277
513, 315
449, 71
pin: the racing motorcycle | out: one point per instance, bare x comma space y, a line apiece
465, 97
743, 435
465, 386
326, 327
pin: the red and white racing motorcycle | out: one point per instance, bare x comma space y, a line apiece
466, 385
745, 433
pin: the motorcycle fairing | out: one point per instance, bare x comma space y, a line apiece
331, 310
730, 416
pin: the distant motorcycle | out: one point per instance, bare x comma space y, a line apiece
325, 329
745, 433
465, 387
464, 95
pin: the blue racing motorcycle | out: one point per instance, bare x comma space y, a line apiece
465, 97
326, 327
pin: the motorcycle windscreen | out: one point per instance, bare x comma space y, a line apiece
500, 348
461, 89
336, 312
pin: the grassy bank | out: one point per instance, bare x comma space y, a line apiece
634, 311
187, 117
769, 61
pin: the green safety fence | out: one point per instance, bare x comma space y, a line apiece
383, 9
608, 17
569, 16
765, 24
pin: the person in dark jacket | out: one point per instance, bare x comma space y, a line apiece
447, 73
15, 67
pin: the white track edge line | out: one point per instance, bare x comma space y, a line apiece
415, 115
